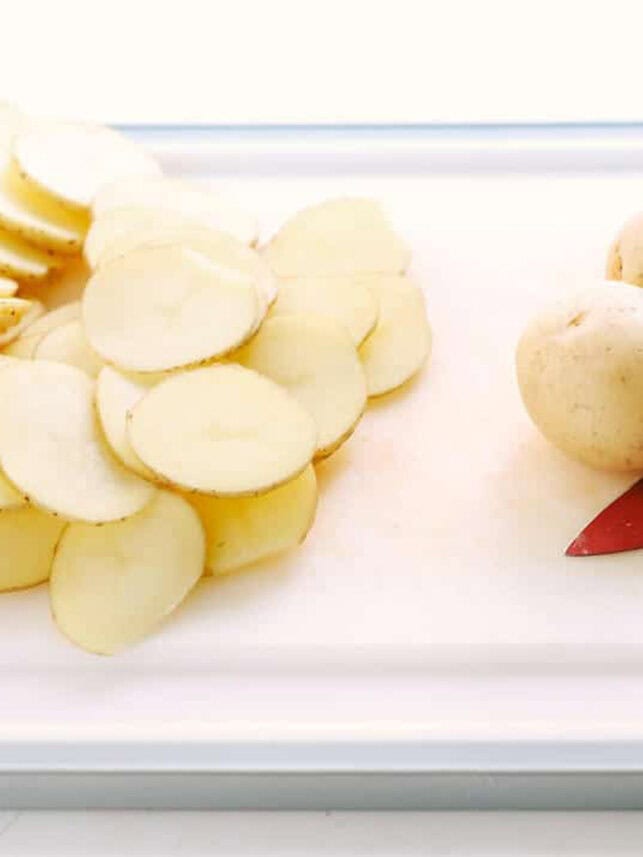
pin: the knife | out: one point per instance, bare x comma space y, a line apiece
618, 528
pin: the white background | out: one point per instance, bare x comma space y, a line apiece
327, 61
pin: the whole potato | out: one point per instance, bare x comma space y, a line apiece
625, 256
580, 372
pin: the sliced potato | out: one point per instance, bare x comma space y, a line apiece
222, 430
116, 395
8, 287
55, 318
29, 538
112, 585
337, 237
12, 312
60, 235
71, 162
30, 314
401, 342
165, 308
189, 200
316, 361
347, 300
22, 347
22, 261
67, 343
243, 530
10, 497
51, 449
121, 230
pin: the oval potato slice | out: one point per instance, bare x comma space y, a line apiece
8, 287
112, 585
165, 308
401, 342
225, 430
55, 318
67, 343
23, 347
29, 539
116, 395
316, 361
337, 237
63, 235
30, 315
347, 300
244, 530
22, 261
191, 201
12, 312
71, 162
51, 449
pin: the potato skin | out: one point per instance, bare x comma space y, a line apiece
580, 372
625, 255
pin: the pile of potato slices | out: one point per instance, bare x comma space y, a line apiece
166, 423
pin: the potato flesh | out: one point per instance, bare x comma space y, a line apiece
346, 300
226, 431
8, 287
12, 312
315, 360
67, 343
71, 162
183, 198
29, 539
10, 497
26, 221
21, 261
31, 314
165, 308
116, 395
112, 585
401, 342
51, 449
23, 347
580, 371
241, 531
335, 238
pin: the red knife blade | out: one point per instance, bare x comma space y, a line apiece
618, 528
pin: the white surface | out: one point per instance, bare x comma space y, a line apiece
356, 61
229, 834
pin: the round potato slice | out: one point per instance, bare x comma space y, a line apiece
316, 361
191, 201
347, 300
29, 539
71, 162
67, 343
29, 315
116, 395
336, 237
61, 235
225, 430
244, 530
55, 318
166, 308
401, 342
112, 585
12, 312
8, 287
51, 449
22, 261
121, 230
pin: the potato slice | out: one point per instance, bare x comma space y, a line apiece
29, 315
22, 347
316, 361
8, 287
244, 530
67, 343
112, 585
191, 201
12, 312
401, 342
71, 162
61, 235
222, 430
121, 230
51, 449
337, 237
22, 261
29, 538
55, 318
10, 497
165, 308
347, 300
116, 395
